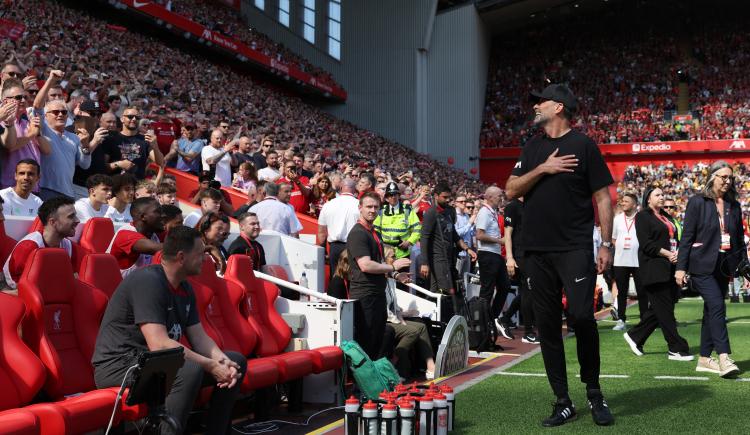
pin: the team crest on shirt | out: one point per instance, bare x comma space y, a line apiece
56, 322
518, 165
175, 332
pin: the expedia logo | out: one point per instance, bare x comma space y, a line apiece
650, 148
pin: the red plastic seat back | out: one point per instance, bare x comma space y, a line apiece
224, 310
21, 372
62, 322
274, 333
204, 296
97, 234
101, 271
7, 244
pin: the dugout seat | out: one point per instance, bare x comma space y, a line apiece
62, 322
7, 244
97, 234
274, 332
221, 300
101, 271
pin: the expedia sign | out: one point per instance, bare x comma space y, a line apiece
651, 147
453, 352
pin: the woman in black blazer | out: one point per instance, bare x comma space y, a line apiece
657, 255
712, 247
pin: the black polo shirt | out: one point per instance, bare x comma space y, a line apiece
558, 210
361, 243
513, 216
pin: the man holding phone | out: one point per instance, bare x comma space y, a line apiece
128, 151
301, 192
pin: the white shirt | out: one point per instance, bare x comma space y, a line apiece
269, 174
116, 216
487, 221
85, 211
276, 216
626, 241
223, 172
17, 206
192, 219
339, 215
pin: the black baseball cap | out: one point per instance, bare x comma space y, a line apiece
559, 93
90, 106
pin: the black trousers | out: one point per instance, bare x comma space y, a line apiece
622, 279
370, 316
548, 273
334, 252
522, 301
660, 313
493, 276
187, 384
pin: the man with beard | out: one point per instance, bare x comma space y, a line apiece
270, 172
439, 241
557, 175
19, 201
58, 215
128, 151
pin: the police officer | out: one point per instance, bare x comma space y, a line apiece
397, 224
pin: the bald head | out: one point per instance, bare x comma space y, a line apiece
492, 195
217, 136
348, 186
108, 121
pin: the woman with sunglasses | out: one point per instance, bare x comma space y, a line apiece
711, 249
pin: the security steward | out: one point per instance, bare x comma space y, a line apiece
397, 224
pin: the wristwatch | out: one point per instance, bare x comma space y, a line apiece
607, 245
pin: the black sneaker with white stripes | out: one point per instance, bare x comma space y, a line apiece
563, 411
530, 338
599, 409
504, 329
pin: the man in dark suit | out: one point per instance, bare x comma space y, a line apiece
245, 243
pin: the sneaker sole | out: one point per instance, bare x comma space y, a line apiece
707, 370
633, 346
680, 358
730, 374
523, 340
568, 420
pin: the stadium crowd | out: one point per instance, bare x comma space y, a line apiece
625, 70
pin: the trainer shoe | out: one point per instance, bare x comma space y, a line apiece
727, 368
503, 329
563, 411
708, 365
680, 356
638, 350
599, 409
619, 326
613, 313
530, 338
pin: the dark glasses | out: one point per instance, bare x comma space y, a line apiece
58, 112
136, 117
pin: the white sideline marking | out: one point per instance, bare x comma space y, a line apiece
683, 378
522, 374
611, 376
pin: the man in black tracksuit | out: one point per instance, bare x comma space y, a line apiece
557, 174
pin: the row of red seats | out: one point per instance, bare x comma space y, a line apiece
61, 325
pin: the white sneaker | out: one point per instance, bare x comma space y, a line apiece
708, 365
637, 350
680, 356
619, 326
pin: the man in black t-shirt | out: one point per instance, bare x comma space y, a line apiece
367, 277
246, 243
557, 174
129, 151
151, 310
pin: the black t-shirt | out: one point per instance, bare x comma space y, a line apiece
513, 216
133, 148
558, 210
260, 161
145, 296
253, 249
361, 243
242, 158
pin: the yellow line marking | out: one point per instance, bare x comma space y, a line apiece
327, 427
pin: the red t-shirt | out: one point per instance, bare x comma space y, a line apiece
122, 248
23, 251
299, 201
165, 135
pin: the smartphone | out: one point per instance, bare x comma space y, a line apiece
87, 123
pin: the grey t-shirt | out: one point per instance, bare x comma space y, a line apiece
145, 296
487, 221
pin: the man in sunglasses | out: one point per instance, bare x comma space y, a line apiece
11, 71
28, 143
301, 192
68, 149
128, 151
671, 208
266, 146
187, 149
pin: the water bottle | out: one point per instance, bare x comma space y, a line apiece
303, 283
351, 409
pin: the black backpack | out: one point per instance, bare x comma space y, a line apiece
482, 333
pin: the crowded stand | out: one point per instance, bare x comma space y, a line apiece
628, 68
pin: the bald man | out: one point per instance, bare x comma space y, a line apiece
337, 217
220, 156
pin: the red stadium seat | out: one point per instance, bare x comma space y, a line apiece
97, 234
63, 316
101, 271
223, 312
36, 225
7, 244
21, 377
274, 331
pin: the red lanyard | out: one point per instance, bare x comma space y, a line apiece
371, 230
666, 222
721, 219
255, 256
492, 212
346, 286
632, 222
